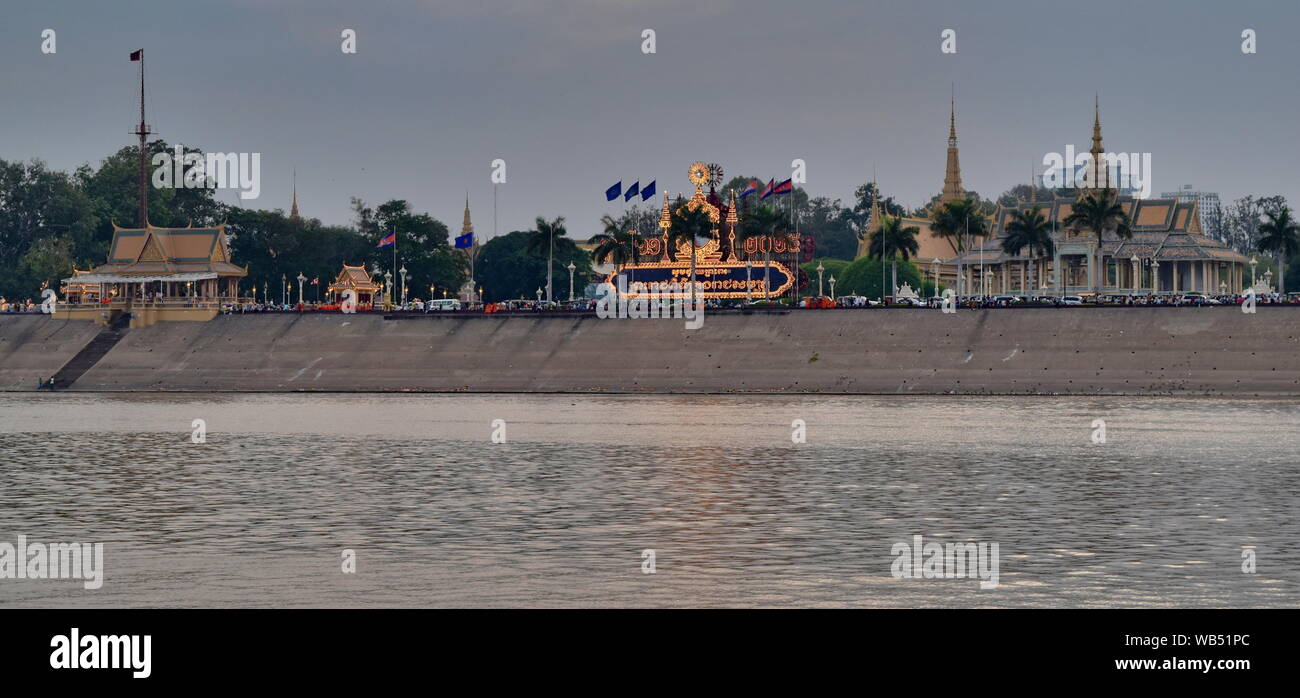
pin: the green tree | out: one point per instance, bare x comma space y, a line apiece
508, 270
831, 267
1028, 229
891, 241
830, 226
48, 260
543, 240
863, 197
1280, 235
1100, 212
959, 222
865, 277
614, 244
37, 204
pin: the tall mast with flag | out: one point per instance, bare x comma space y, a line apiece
142, 130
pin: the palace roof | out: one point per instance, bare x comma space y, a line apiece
355, 278
1163, 229
165, 254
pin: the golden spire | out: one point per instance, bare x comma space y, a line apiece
952, 121
1096, 124
1098, 150
293, 209
952, 189
665, 222
466, 227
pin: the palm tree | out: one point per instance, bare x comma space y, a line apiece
1280, 235
762, 222
543, 236
613, 244
958, 222
892, 240
689, 224
1028, 229
1101, 213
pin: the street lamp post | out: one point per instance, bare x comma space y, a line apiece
749, 290
934, 270
820, 269
539, 294
388, 289
832, 285
284, 290
988, 281
1155, 276
402, 271
571, 269
1253, 262
301, 279
1137, 273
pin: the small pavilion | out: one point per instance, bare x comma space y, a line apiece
355, 279
158, 274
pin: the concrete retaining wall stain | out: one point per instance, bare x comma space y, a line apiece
1137, 351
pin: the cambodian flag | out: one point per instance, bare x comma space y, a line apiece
784, 188
752, 188
767, 191
388, 240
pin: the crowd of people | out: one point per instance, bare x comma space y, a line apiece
8, 306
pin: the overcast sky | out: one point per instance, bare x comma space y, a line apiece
561, 90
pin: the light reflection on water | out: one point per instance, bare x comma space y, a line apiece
737, 514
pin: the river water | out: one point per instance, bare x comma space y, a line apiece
1165, 512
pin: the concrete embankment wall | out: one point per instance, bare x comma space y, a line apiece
34, 347
1196, 351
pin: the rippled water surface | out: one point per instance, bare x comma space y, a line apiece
737, 514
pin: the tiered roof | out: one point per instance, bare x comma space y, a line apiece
1164, 229
165, 254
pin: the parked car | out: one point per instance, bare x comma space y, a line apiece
444, 304
1072, 300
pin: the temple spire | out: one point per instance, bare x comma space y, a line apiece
466, 226
1098, 150
952, 122
952, 189
293, 209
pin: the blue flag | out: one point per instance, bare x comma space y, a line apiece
632, 191
464, 242
648, 191
614, 191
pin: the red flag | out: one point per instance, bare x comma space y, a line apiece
137, 54
315, 281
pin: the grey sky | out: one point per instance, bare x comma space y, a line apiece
561, 91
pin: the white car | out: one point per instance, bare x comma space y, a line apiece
1072, 300
444, 304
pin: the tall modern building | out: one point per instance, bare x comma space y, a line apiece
1207, 203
